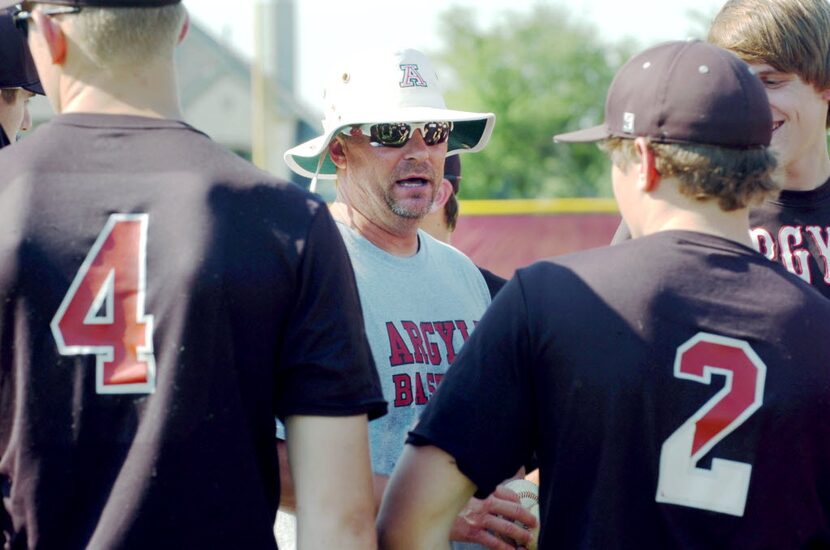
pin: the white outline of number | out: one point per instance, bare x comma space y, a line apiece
106, 354
724, 488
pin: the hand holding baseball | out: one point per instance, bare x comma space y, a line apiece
494, 521
528, 493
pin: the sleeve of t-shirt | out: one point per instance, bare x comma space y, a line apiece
326, 366
482, 413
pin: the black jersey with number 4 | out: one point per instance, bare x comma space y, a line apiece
675, 389
161, 300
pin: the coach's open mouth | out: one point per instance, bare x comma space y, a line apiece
413, 182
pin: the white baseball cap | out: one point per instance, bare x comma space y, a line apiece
376, 88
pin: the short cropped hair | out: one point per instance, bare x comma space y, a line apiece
793, 36
119, 37
735, 178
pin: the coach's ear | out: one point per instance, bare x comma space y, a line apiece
338, 156
442, 196
53, 35
647, 175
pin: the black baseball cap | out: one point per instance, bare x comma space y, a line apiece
17, 70
102, 3
684, 92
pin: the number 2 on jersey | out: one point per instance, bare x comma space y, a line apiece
724, 488
102, 314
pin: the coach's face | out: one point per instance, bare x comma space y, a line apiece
393, 187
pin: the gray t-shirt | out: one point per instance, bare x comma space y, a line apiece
418, 311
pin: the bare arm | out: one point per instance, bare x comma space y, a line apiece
332, 481
480, 521
287, 499
421, 506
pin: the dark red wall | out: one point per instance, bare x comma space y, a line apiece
503, 243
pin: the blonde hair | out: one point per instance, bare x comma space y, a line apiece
736, 178
117, 37
793, 36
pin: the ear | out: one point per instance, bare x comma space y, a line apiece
825, 94
648, 177
185, 27
337, 154
53, 35
442, 196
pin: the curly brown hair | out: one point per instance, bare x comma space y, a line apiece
736, 178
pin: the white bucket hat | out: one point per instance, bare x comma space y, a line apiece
401, 87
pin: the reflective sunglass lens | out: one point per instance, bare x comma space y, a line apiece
398, 134
436, 132
390, 135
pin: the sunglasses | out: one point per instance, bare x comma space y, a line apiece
23, 12
397, 134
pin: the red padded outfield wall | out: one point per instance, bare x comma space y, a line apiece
505, 235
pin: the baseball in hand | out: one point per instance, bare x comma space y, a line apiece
529, 497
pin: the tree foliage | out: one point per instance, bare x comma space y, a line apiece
541, 73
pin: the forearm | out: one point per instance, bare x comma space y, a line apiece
288, 502
379, 483
329, 462
422, 501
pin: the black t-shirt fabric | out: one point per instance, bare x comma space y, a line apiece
602, 362
494, 282
161, 301
794, 230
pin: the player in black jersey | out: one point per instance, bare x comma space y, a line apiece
787, 44
674, 387
18, 80
161, 301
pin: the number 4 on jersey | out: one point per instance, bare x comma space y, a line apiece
724, 488
102, 314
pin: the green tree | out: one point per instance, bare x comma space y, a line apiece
541, 73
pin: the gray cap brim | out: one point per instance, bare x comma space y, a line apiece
586, 135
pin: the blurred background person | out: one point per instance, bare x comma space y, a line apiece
18, 80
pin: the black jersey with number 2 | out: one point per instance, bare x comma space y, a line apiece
675, 389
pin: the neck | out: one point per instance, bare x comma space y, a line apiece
149, 91
404, 243
810, 171
433, 223
668, 210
